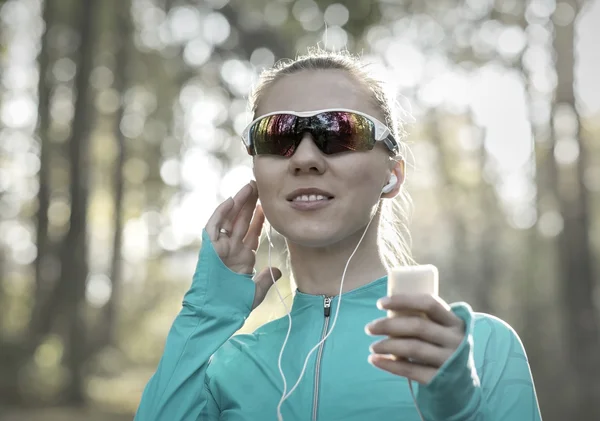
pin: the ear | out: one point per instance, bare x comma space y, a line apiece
399, 169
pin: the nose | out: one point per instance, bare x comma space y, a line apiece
307, 159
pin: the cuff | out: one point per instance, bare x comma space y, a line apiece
217, 289
455, 392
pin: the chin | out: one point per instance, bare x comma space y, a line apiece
312, 234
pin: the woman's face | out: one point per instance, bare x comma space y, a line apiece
353, 179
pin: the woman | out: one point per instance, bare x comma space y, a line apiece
323, 179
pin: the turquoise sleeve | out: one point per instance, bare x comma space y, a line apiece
211, 411
503, 389
214, 308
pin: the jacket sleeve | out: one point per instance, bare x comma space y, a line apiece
502, 390
214, 308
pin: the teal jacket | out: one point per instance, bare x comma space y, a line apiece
208, 373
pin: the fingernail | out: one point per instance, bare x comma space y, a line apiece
368, 329
373, 359
383, 302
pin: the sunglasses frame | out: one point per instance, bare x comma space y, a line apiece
382, 132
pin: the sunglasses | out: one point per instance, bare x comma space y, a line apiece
333, 130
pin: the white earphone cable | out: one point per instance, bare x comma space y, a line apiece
286, 394
412, 393
288, 315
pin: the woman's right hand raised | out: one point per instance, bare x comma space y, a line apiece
243, 221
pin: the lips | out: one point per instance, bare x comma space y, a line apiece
309, 195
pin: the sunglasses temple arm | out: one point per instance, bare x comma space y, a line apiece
391, 143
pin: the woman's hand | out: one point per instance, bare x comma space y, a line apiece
242, 220
416, 346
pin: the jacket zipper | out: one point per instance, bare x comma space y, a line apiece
326, 312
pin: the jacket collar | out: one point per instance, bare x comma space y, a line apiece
376, 288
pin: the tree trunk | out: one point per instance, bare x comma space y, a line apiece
577, 277
489, 236
2, 260
538, 292
44, 89
121, 83
13, 356
74, 252
449, 189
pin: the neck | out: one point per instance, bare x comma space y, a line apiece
318, 270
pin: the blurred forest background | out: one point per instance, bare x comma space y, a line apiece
119, 134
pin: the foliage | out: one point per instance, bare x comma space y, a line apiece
119, 134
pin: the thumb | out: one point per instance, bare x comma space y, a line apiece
264, 281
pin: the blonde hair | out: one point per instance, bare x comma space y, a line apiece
394, 238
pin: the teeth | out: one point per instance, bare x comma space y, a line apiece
310, 198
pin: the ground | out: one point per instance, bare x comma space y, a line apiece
63, 414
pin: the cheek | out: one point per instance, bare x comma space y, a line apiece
366, 182
265, 174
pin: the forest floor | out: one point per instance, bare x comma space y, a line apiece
64, 414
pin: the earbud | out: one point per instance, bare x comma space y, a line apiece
390, 185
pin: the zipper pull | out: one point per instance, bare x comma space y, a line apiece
327, 306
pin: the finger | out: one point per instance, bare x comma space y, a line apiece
238, 202
413, 349
433, 306
415, 327
242, 221
216, 219
253, 235
419, 373
264, 281
266, 278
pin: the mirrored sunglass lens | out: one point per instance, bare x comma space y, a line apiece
340, 131
333, 132
274, 135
